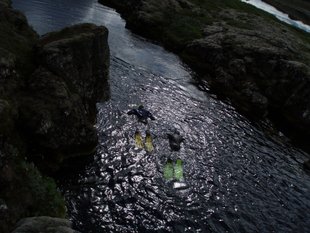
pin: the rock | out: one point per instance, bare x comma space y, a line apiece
257, 70
44, 224
146, 17
80, 56
54, 120
59, 110
48, 95
297, 9
26, 193
307, 164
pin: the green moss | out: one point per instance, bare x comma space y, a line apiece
27, 193
176, 28
178, 36
45, 199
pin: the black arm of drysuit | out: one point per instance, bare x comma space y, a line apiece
132, 112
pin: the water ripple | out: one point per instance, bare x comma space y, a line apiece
238, 180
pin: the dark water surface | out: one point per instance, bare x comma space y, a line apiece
238, 179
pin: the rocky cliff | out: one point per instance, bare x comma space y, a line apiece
49, 87
244, 54
70, 78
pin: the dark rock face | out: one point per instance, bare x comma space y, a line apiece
146, 17
44, 224
80, 56
72, 77
48, 94
257, 70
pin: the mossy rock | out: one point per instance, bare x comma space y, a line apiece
27, 193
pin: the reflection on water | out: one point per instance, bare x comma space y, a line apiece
238, 180
280, 15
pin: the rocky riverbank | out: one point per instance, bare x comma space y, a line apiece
48, 94
243, 53
296, 9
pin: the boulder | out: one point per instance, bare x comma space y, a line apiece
44, 224
59, 108
80, 56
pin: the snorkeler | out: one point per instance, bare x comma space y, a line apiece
175, 140
142, 115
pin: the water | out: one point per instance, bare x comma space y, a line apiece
280, 15
238, 179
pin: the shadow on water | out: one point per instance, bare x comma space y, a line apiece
237, 179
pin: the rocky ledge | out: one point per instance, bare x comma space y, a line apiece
246, 55
49, 88
44, 224
296, 9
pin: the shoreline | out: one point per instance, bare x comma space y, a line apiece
297, 10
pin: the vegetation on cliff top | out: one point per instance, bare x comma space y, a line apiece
296, 9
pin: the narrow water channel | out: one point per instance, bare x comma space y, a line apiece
238, 180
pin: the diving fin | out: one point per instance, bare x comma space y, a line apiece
148, 142
138, 140
168, 170
178, 170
